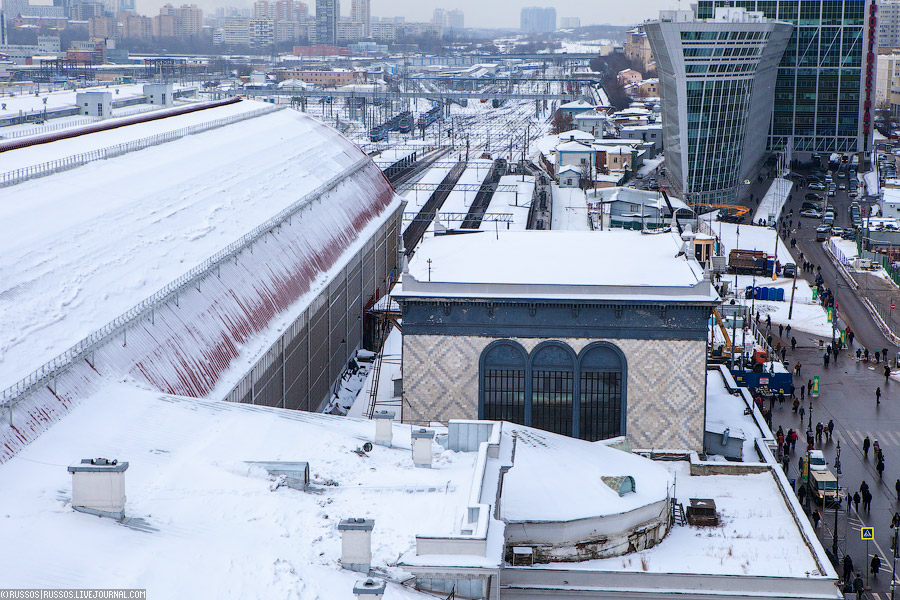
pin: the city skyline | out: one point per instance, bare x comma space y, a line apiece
477, 14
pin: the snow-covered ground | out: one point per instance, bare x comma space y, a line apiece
83, 246
769, 209
205, 524
807, 315
417, 198
649, 166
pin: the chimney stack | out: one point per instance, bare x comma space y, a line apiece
421, 447
384, 427
356, 544
98, 487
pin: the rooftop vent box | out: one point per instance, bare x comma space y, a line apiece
98, 487
294, 475
369, 589
384, 427
356, 544
702, 512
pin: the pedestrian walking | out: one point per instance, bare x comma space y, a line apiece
797, 368
880, 468
856, 501
802, 392
850, 336
866, 444
816, 518
797, 402
825, 359
769, 340
884, 355
858, 587
793, 344
793, 395
757, 318
802, 412
867, 500
895, 520
783, 354
809, 386
787, 330
858, 354
830, 428
877, 450
866, 354
877, 398
848, 568
794, 437
875, 565
780, 330
820, 429
785, 462
877, 357
887, 373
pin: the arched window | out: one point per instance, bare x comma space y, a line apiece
503, 367
602, 394
552, 385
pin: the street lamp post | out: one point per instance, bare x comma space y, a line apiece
837, 467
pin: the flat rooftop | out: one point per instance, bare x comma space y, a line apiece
204, 524
617, 263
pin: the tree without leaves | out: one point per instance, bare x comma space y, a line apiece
561, 122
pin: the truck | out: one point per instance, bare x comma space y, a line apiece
823, 487
748, 262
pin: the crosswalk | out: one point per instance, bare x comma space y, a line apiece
885, 438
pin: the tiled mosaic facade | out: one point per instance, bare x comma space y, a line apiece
666, 388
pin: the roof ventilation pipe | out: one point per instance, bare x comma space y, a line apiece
421, 447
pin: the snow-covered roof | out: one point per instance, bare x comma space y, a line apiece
576, 104
574, 146
127, 226
576, 492
504, 264
890, 195
575, 135
569, 168
200, 521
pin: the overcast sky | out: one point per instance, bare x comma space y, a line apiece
478, 13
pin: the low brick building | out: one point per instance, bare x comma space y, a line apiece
588, 334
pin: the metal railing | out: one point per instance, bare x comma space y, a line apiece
70, 162
48, 128
83, 349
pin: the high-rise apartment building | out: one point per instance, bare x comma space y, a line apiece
717, 82
455, 19
328, 13
888, 23
570, 22
537, 19
361, 12
824, 93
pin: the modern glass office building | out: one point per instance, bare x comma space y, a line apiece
717, 82
825, 88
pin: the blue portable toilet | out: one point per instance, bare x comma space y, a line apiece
757, 292
779, 294
764, 293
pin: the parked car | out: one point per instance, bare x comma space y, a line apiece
811, 206
822, 233
810, 213
816, 186
837, 231
813, 197
842, 186
789, 270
